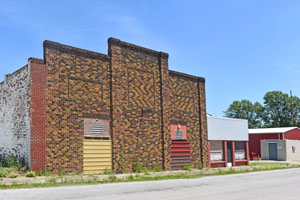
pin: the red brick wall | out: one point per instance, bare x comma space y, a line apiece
37, 114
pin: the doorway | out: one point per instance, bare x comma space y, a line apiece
273, 151
229, 154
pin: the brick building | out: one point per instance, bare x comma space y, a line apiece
83, 111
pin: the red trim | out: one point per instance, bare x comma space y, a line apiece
233, 153
208, 149
214, 164
237, 161
225, 152
247, 152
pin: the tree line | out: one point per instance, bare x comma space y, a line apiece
278, 110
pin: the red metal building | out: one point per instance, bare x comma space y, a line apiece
256, 135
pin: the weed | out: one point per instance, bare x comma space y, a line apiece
12, 176
112, 178
30, 174
47, 173
3, 174
139, 166
157, 169
60, 172
39, 173
187, 167
131, 178
108, 171
200, 165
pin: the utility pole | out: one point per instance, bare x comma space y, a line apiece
294, 123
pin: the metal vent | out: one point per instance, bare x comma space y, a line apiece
178, 134
97, 129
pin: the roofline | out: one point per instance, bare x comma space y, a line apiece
74, 50
118, 42
180, 74
274, 132
227, 118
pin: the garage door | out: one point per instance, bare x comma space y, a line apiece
97, 156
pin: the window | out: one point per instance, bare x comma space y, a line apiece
216, 150
240, 153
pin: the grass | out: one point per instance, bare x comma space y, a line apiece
114, 179
268, 164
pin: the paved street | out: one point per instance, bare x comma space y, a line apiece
280, 184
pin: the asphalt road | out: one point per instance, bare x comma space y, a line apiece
280, 184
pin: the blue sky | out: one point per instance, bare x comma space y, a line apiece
244, 48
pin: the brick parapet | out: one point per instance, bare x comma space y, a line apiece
136, 48
188, 76
74, 50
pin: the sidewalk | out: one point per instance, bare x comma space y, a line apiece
132, 176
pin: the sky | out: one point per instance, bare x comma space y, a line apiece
243, 48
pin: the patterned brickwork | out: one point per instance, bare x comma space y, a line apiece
185, 101
134, 89
136, 105
77, 86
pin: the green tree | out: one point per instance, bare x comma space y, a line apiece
296, 103
277, 109
245, 109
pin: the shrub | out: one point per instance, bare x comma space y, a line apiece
12, 161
